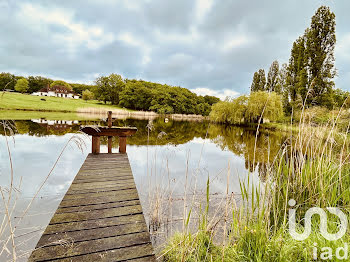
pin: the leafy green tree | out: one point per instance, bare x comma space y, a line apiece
341, 98
109, 87
164, 99
135, 96
259, 81
272, 84
87, 95
7, 81
321, 40
297, 79
264, 105
161, 103
79, 88
211, 100
283, 86
203, 109
61, 83
230, 111
35, 83
282, 77
21, 85
311, 66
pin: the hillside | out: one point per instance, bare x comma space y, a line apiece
17, 101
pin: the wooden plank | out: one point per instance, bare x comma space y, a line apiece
134, 253
84, 176
91, 246
83, 186
112, 195
97, 207
90, 234
95, 214
89, 224
83, 201
108, 188
100, 218
113, 181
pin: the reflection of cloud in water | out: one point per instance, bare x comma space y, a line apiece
33, 158
213, 162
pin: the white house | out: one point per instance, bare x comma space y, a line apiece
57, 91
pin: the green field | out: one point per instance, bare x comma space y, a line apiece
15, 101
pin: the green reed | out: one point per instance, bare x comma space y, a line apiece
313, 168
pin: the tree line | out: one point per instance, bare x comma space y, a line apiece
307, 80
149, 96
33, 84
131, 94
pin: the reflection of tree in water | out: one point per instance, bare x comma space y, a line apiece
177, 132
241, 141
39, 129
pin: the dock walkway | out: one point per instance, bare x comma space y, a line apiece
100, 218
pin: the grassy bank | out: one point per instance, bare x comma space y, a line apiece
312, 168
17, 106
16, 101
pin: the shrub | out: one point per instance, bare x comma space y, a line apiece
88, 95
21, 85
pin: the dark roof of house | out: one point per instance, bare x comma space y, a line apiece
56, 89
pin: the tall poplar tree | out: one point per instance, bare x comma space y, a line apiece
311, 66
272, 78
321, 40
259, 81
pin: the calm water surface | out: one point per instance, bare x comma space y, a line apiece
171, 162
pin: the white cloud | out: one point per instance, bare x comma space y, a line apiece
202, 8
222, 94
234, 42
72, 34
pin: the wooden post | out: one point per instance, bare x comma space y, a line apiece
95, 144
109, 118
122, 144
109, 138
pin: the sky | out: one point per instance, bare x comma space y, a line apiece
210, 47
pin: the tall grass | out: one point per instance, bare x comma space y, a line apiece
10, 245
313, 168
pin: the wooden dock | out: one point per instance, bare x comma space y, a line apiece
100, 218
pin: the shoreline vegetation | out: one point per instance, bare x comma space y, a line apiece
312, 167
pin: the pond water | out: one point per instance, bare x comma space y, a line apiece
171, 162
